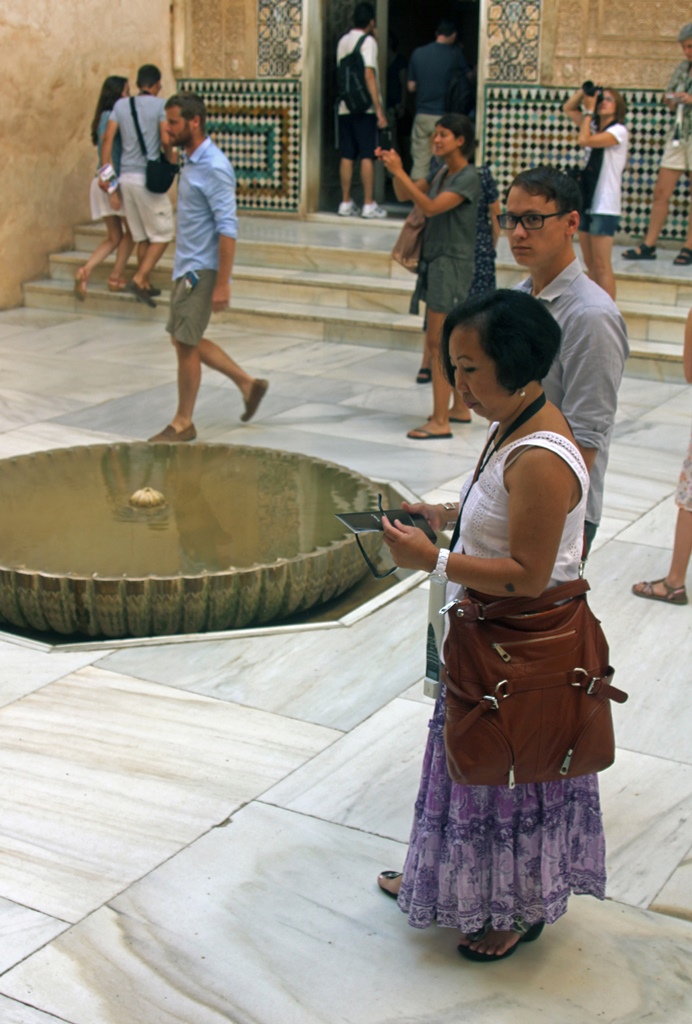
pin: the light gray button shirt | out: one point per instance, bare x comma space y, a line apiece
584, 379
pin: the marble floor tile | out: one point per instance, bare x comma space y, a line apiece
277, 918
295, 673
647, 811
44, 436
23, 670
650, 645
110, 776
369, 779
18, 408
655, 529
23, 931
317, 358
676, 895
13, 1012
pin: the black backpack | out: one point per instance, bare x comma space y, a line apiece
459, 98
350, 80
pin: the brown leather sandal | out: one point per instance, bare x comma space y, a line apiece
673, 595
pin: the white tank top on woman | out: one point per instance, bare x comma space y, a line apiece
485, 523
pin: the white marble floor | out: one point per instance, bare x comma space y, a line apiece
190, 833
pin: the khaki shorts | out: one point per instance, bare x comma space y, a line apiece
678, 158
421, 144
191, 309
149, 215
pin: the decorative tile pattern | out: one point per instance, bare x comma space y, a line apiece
257, 124
513, 40
279, 43
525, 126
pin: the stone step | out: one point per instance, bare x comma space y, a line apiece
653, 356
349, 291
329, 293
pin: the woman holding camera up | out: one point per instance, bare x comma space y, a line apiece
599, 114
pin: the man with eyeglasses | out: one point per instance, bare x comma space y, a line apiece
541, 219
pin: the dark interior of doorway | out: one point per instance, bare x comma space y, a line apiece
411, 24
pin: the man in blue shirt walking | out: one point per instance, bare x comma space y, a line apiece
205, 249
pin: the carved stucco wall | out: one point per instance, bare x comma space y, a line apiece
628, 43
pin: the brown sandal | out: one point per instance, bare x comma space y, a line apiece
673, 595
116, 284
80, 284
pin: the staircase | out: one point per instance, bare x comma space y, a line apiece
333, 280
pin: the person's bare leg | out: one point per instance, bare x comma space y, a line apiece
102, 250
122, 256
665, 186
586, 251
367, 177
213, 356
439, 421
601, 269
189, 377
346, 178
151, 257
682, 551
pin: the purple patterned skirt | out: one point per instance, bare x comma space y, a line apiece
480, 853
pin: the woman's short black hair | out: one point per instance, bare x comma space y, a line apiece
515, 330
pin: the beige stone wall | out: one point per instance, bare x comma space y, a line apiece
55, 56
626, 43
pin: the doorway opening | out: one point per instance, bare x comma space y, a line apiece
402, 26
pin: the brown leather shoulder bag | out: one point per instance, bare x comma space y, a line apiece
528, 689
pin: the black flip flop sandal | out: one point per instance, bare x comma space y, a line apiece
683, 258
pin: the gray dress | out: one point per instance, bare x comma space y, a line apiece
446, 268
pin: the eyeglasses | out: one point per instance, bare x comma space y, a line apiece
529, 221
371, 567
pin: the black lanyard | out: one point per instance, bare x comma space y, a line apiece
488, 452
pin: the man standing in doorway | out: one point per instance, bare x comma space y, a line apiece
358, 132
542, 217
149, 215
429, 73
204, 253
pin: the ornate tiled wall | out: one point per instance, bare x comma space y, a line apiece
279, 38
525, 126
257, 124
513, 40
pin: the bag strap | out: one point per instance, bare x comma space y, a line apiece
474, 609
133, 108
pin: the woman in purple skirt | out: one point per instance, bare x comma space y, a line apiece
494, 862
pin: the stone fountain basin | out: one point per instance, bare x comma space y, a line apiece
244, 536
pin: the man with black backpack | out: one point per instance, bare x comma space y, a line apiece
438, 75
360, 111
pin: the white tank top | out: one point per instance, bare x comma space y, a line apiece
485, 523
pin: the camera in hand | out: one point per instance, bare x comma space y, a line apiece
589, 89
384, 138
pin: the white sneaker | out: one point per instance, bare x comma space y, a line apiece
348, 209
372, 211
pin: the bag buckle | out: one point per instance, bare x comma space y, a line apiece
592, 680
498, 689
492, 701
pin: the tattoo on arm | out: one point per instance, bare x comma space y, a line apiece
510, 587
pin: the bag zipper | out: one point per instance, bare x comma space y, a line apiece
536, 640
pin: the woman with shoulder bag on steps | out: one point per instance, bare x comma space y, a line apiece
449, 201
497, 862
107, 207
602, 132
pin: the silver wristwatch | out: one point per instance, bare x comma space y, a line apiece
440, 570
